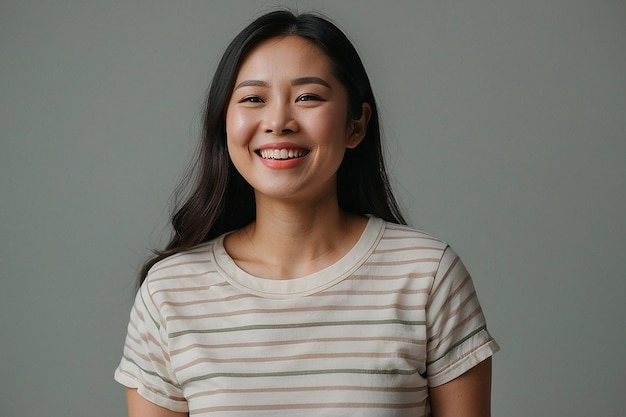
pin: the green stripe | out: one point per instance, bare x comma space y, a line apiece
300, 325
147, 311
167, 381
460, 342
301, 373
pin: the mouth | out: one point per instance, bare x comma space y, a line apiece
281, 154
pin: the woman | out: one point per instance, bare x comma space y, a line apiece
292, 285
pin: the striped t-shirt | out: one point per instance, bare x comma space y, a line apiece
365, 336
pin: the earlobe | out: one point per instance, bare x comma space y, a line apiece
358, 127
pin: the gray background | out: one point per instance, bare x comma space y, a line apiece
506, 136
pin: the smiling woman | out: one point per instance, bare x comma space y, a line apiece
288, 101
292, 284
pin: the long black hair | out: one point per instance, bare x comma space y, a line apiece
219, 199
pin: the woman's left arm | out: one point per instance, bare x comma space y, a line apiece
468, 395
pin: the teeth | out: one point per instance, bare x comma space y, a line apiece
281, 153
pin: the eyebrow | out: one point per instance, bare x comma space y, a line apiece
297, 81
251, 83
310, 80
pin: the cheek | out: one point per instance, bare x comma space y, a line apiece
239, 128
328, 127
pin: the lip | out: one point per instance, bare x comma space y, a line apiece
281, 163
281, 145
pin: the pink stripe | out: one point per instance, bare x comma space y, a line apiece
403, 262
410, 248
309, 407
293, 310
390, 277
418, 342
305, 389
298, 357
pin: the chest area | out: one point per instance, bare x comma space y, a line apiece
357, 343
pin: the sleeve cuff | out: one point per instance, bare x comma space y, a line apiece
463, 363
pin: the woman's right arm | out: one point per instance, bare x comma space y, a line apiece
140, 407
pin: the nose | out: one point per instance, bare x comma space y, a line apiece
278, 119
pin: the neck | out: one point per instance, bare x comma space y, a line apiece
288, 240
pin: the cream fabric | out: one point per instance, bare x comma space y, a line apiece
363, 337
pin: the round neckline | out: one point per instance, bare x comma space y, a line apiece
301, 286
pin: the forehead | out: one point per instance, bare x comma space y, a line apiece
286, 55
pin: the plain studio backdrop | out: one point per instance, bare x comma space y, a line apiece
505, 127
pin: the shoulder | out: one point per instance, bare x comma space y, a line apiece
398, 235
405, 251
424, 248
190, 268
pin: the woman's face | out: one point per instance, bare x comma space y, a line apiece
287, 121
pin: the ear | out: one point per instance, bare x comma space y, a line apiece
358, 127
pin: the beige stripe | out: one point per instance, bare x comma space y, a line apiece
409, 236
452, 332
372, 292
168, 261
455, 363
454, 312
418, 342
299, 357
201, 288
451, 314
151, 357
297, 310
160, 323
460, 287
262, 407
307, 389
410, 275
178, 277
149, 372
150, 339
444, 278
321, 294
300, 373
409, 248
202, 248
403, 262
151, 387
449, 301
183, 290
137, 324
205, 301
132, 338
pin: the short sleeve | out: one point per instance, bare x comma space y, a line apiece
145, 364
458, 338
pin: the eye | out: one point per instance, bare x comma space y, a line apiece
308, 97
251, 99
